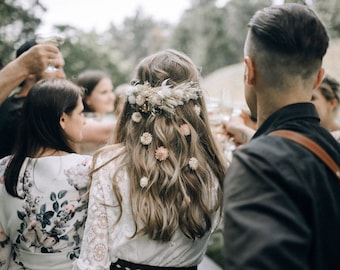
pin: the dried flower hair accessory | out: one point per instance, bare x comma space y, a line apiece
161, 153
146, 138
193, 163
197, 110
185, 129
163, 98
136, 117
143, 182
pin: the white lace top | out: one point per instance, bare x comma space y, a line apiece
44, 229
105, 242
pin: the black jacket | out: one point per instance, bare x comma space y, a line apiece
281, 203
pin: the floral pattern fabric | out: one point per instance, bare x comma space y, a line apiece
43, 229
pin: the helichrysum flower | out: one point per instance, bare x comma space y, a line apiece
146, 138
143, 182
162, 153
185, 129
197, 110
136, 117
193, 163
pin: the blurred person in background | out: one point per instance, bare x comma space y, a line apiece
10, 109
98, 109
326, 100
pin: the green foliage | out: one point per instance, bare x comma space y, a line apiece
83, 51
212, 35
18, 23
329, 11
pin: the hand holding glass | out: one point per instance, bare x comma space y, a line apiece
53, 39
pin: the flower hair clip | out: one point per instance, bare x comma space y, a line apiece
197, 110
146, 138
193, 163
161, 153
144, 181
136, 117
185, 129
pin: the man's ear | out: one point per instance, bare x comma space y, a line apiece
319, 78
249, 73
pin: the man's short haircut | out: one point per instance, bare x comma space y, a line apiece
289, 37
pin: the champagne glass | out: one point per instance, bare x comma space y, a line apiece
53, 39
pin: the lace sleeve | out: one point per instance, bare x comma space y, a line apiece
94, 253
5, 249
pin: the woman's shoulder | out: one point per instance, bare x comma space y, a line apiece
109, 152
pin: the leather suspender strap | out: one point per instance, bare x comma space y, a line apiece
310, 145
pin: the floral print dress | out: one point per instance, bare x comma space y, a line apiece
44, 229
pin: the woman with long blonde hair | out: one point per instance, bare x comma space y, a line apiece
156, 193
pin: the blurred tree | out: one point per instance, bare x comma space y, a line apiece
329, 11
238, 13
214, 36
88, 50
138, 36
201, 34
19, 20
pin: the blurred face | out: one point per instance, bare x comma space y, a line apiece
73, 124
324, 107
101, 99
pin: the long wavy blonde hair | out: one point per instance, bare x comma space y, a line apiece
176, 196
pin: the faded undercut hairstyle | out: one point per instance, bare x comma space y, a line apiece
39, 126
177, 196
287, 40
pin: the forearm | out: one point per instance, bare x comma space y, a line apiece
10, 77
97, 131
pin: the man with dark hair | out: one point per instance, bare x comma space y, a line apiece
281, 203
34, 60
10, 109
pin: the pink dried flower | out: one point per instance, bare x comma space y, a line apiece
185, 129
162, 153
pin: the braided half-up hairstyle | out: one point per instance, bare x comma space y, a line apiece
174, 166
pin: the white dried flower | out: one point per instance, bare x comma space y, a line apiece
143, 182
132, 99
136, 117
140, 100
193, 163
146, 138
197, 110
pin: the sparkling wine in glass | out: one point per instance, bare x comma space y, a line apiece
53, 39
